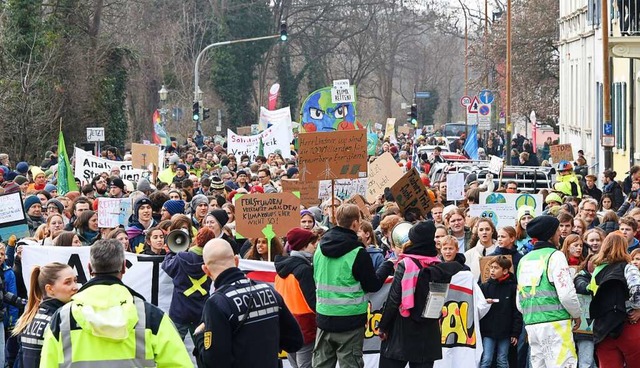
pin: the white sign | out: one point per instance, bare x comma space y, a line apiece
341, 95
344, 188
95, 134
108, 212
274, 117
11, 208
239, 145
502, 208
276, 138
495, 165
378, 126
88, 166
465, 101
455, 186
473, 106
341, 84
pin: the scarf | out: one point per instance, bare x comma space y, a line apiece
410, 279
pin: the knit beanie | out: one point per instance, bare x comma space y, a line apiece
174, 206
22, 167
57, 203
197, 200
50, 188
118, 183
139, 202
220, 216
524, 211
30, 201
543, 227
20, 180
553, 197
422, 235
143, 185
298, 238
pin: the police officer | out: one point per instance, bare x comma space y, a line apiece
245, 323
107, 324
547, 298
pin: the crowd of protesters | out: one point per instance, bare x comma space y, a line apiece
580, 308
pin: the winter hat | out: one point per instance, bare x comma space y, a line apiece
229, 185
4, 169
307, 212
553, 197
182, 167
57, 203
11, 187
36, 171
257, 189
393, 149
174, 159
543, 227
20, 180
298, 238
118, 183
143, 185
422, 235
197, 200
217, 183
11, 176
220, 216
525, 210
22, 167
139, 202
30, 201
50, 188
174, 206
316, 212
291, 172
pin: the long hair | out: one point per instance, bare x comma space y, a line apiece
82, 223
571, 239
613, 249
475, 238
178, 221
276, 249
41, 276
366, 227
64, 239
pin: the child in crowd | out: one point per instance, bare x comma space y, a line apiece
154, 242
503, 324
635, 258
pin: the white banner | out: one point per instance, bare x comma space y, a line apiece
274, 117
239, 145
88, 166
275, 138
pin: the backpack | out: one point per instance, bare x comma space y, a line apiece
438, 273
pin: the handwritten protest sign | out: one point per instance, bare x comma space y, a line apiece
359, 201
496, 164
108, 212
144, 154
561, 152
88, 166
455, 186
410, 194
308, 190
254, 212
404, 129
383, 173
333, 155
343, 188
13, 220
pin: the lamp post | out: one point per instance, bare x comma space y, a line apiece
466, 65
508, 85
163, 92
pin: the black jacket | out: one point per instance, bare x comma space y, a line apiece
503, 319
256, 342
32, 337
594, 193
607, 307
408, 339
335, 243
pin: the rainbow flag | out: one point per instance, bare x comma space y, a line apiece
159, 133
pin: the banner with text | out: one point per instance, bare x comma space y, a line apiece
88, 166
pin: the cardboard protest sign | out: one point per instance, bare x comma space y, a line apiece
502, 208
411, 194
108, 212
13, 218
404, 129
88, 166
343, 188
333, 155
308, 190
561, 152
144, 154
359, 201
485, 262
257, 213
383, 173
455, 186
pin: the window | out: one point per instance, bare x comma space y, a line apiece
619, 113
594, 12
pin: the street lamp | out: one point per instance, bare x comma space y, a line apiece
163, 92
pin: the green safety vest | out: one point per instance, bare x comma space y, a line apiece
539, 299
338, 293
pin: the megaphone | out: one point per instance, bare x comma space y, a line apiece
178, 240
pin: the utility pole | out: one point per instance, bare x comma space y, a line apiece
607, 136
507, 118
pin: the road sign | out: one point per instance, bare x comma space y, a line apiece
423, 94
473, 107
465, 101
484, 117
486, 97
484, 110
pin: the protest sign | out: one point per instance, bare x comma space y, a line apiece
502, 208
277, 139
274, 117
343, 188
88, 166
255, 212
404, 129
333, 155
108, 212
496, 164
13, 219
144, 154
455, 186
561, 152
411, 195
485, 262
359, 201
308, 190
383, 173
244, 130
239, 145
390, 130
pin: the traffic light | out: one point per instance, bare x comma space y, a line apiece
283, 31
196, 111
205, 113
413, 114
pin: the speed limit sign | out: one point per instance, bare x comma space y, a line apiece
465, 101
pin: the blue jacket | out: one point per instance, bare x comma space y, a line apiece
190, 285
635, 245
11, 313
377, 256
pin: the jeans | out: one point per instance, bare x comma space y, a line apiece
342, 347
499, 347
523, 349
585, 354
302, 357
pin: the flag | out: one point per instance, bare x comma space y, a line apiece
471, 144
65, 181
159, 133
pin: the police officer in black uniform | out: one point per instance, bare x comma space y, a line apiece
245, 323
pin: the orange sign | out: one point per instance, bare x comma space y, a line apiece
255, 212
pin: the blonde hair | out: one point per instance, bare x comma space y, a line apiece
449, 240
613, 249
